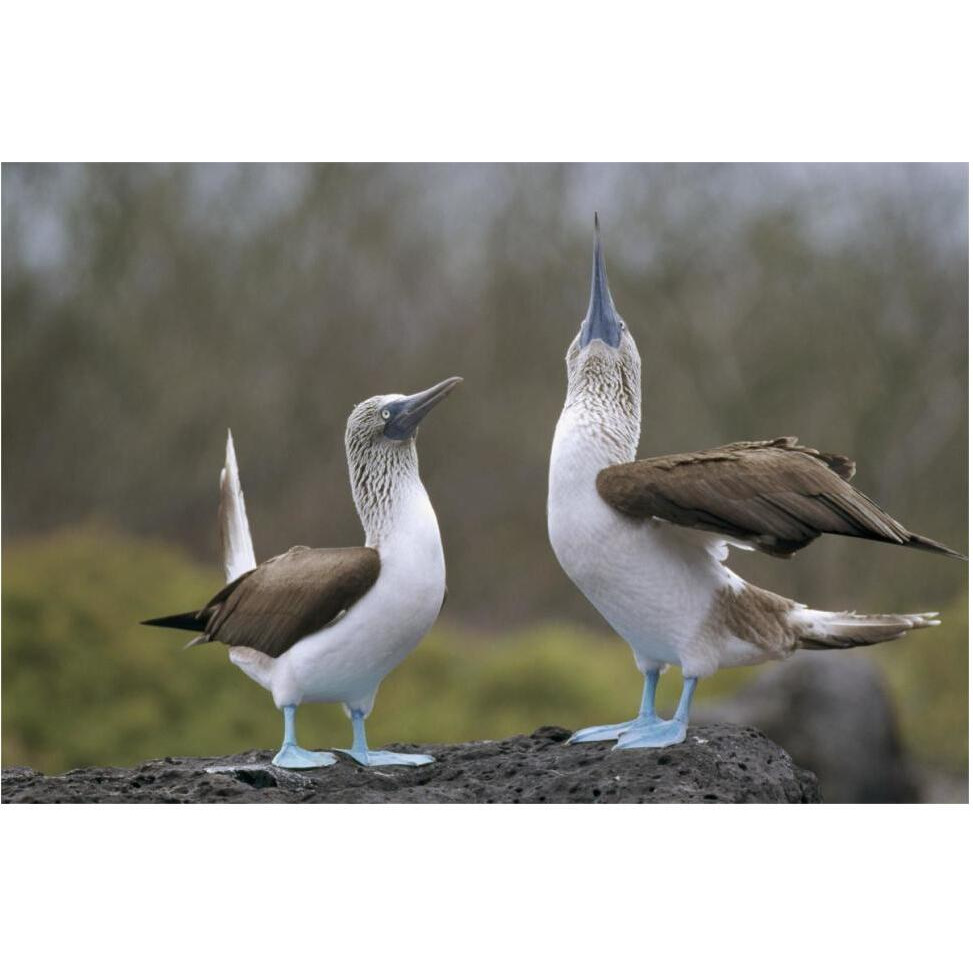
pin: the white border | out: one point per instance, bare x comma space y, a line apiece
751, 80
477, 887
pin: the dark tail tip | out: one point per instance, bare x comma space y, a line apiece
927, 544
188, 621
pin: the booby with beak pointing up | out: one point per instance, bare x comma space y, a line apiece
645, 540
328, 625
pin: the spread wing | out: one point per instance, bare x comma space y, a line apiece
777, 495
281, 601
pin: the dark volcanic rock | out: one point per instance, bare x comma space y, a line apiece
716, 764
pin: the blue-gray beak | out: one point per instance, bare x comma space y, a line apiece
602, 320
407, 413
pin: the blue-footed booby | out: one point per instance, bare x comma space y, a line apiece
646, 540
329, 624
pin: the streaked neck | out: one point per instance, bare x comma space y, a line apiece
594, 433
387, 490
602, 412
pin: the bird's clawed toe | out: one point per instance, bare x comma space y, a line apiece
386, 758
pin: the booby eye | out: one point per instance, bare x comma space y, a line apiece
386, 414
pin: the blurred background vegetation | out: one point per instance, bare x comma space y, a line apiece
146, 308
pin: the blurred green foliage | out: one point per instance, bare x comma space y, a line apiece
83, 683
931, 688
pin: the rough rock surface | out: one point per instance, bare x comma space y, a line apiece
716, 764
834, 714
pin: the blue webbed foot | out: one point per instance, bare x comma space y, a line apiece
294, 757
378, 758
662, 733
385, 758
611, 731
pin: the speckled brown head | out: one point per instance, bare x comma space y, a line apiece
604, 367
380, 445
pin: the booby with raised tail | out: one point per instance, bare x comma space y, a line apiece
646, 540
329, 624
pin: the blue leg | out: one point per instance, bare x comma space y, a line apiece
294, 757
378, 758
613, 731
663, 733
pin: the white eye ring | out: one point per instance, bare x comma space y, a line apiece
386, 414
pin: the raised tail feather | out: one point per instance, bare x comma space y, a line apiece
236, 545
844, 630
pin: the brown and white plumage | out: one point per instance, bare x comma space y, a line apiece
291, 601
775, 495
273, 606
289, 597
328, 624
646, 539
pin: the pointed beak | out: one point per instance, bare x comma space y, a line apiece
602, 320
407, 413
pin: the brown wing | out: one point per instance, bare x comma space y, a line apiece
776, 494
289, 597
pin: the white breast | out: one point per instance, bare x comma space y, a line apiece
652, 582
346, 662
